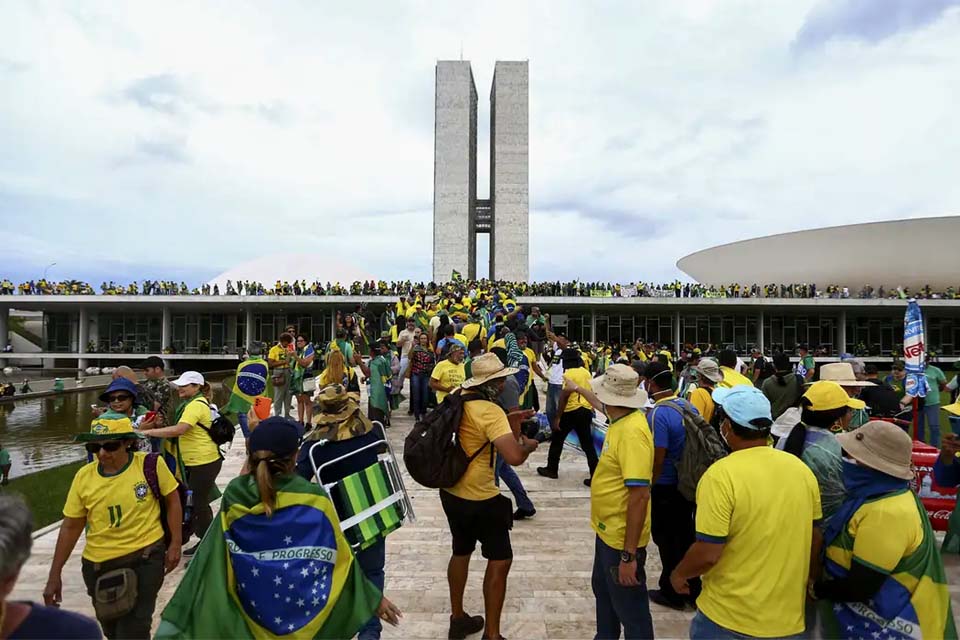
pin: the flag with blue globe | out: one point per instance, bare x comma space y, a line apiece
289, 574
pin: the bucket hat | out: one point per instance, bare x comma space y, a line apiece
120, 384
618, 388
842, 373
709, 369
104, 428
882, 446
485, 368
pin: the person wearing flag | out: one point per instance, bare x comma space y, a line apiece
302, 372
115, 501
885, 577
276, 563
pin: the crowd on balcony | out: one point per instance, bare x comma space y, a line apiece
674, 289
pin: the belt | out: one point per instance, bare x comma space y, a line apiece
129, 559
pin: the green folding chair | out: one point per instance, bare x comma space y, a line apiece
371, 503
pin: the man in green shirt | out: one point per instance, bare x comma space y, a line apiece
4, 466
929, 413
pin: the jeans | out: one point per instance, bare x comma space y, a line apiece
578, 421
372, 560
201, 479
671, 525
703, 628
136, 623
553, 400
510, 478
930, 416
244, 425
619, 606
419, 385
282, 395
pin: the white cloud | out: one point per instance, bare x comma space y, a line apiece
210, 133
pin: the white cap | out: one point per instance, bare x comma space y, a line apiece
188, 377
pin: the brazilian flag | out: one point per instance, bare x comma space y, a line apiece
252, 379
289, 575
455, 276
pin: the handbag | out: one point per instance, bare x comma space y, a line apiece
115, 593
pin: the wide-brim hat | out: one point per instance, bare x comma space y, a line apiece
120, 384
109, 429
486, 368
882, 446
953, 409
709, 369
617, 387
841, 373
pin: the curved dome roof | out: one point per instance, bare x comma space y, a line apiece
908, 253
289, 267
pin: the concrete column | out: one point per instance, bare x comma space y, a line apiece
249, 328
760, 337
593, 327
84, 338
842, 333
676, 332
333, 324
4, 330
165, 329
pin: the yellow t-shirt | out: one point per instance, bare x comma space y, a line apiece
626, 461
471, 331
122, 514
196, 447
761, 503
278, 353
732, 378
502, 343
582, 378
701, 399
482, 422
448, 375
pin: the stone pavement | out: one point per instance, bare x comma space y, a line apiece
548, 591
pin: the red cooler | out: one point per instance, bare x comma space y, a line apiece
938, 501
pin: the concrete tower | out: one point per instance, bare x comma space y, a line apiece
458, 216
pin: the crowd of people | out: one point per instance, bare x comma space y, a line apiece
777, 492
674, 289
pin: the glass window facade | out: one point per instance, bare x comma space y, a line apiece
201, 332
316, 325
60, 332
738, 332
874, 336
138, 332
819, 332
627, 329
944, 336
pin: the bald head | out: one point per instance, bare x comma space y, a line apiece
124, 371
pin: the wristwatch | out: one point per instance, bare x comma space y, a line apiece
626, 556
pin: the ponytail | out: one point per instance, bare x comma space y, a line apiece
266, 467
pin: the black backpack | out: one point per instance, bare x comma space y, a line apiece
150, 472
702, 448
432, 452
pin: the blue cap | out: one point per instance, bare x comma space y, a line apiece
120, 384
746, 405
277, 434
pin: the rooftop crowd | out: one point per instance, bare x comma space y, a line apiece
674, 289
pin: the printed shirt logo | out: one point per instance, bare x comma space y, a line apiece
100, 428
141, 490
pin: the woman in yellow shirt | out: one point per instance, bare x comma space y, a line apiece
189, 441
577, 416
116, 500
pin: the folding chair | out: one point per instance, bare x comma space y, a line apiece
374, 501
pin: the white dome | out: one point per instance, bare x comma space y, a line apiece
289, 267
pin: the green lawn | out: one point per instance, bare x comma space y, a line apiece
45, 492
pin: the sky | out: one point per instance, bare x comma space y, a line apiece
176, 140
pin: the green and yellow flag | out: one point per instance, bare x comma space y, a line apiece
289, 575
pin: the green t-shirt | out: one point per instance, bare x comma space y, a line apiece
935, 378
4, 457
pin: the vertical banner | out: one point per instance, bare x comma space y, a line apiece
914, 351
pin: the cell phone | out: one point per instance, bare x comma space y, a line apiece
150, 415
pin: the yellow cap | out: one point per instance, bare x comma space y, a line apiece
827, 395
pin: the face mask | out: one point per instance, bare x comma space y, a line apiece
723, 435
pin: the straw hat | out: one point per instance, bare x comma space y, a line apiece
708, 368
618, 388
882, 446
953, 409
842, 373
486, 368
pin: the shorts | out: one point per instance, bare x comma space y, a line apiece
487, 521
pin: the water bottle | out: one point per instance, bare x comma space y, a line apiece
926, 486
188, 509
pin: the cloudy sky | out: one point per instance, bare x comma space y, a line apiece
175, 140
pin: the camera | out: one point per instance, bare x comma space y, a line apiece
536, 428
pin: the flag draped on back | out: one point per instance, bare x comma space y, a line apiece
291, 575
915, 384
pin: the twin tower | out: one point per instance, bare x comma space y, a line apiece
458, 216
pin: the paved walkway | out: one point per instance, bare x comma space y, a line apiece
548, 592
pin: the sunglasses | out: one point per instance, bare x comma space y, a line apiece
110, 447
120, 398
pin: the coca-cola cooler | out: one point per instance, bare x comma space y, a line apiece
938, 501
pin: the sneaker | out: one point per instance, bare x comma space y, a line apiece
546, 472
523, 514
657, 596
462, 627
190, 551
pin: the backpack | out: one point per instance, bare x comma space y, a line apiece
432, 453
703, 447
186, 499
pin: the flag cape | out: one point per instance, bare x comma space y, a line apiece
291, 575
915, 383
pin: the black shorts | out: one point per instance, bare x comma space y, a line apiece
488, 521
